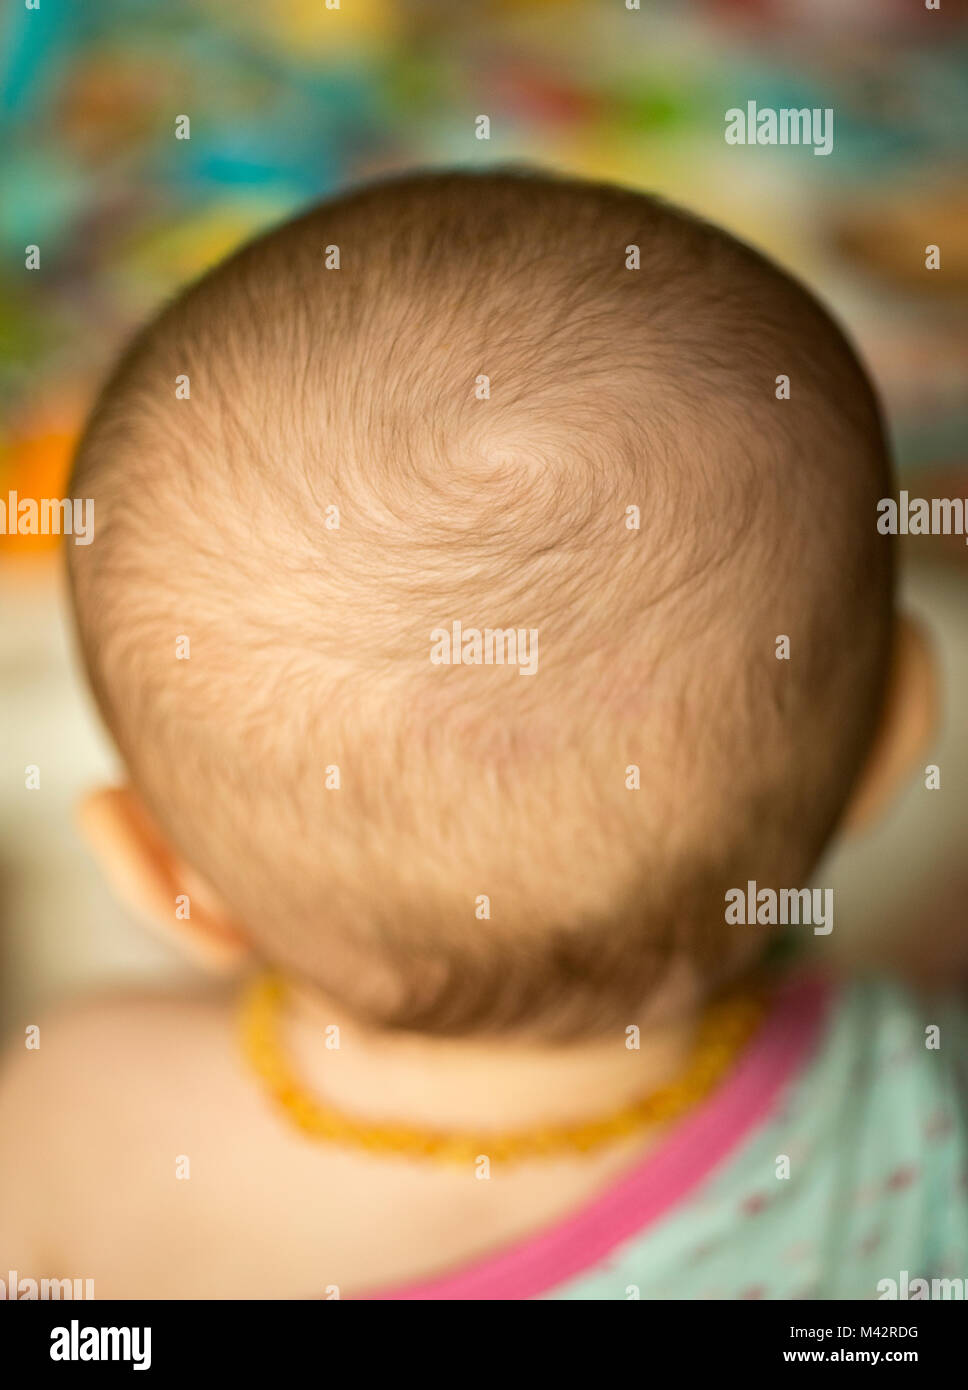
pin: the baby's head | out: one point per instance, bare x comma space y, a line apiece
508, 402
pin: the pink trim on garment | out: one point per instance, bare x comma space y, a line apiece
664, 1177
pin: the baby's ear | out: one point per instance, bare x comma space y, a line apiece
149, 878
908, 721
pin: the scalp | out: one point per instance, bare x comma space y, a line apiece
356, 388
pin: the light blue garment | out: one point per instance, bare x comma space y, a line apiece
874, 1126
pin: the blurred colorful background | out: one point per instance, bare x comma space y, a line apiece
291, 100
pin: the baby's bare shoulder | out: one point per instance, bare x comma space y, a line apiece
98, 1100
88, 1049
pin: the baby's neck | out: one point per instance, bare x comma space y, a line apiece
488, 1083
